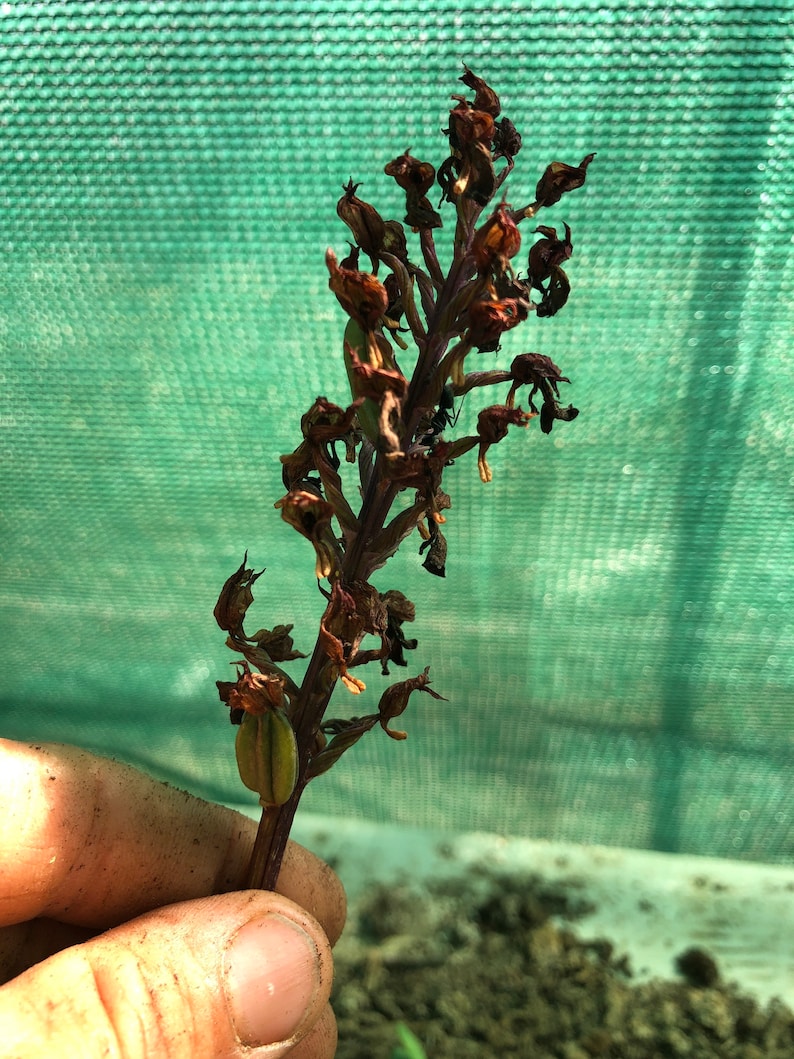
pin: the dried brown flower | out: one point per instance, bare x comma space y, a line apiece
559, 178
361, 295
311, 516
548, 253
415, 178
394, 701
363, 220
496, 241
255, 692
492, 424
489, 318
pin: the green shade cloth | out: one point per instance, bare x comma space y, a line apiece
614, 634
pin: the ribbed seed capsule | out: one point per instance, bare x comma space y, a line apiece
267, 756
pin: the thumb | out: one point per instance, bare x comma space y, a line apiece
239, 974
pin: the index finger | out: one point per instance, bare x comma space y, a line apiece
89, 841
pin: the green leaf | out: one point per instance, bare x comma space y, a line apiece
368, 413
410, 1046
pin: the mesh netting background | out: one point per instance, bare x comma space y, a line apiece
614, 632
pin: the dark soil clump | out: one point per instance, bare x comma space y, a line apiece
496, 972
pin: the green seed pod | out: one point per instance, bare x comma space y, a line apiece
267, 756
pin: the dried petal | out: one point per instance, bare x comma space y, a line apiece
535, 370
259, 658
419, 214
298, 465
351, 261
555, 294
559, 178
542, 374
551, 411
389, 423
436, 546
254, 693
485, 98
235, 598
347, 734
399, 609
306, 511
369, 381
415, 178
354, 611
477, 179
507, 140
225, 688
338, 656
278, 643
398, 606
469, 126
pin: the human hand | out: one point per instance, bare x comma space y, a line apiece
90, 845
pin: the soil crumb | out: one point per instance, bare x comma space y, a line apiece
493, 969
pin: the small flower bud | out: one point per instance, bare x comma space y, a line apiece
394, 242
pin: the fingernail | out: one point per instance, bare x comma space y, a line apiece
272, 974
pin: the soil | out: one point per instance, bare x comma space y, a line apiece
494, 969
